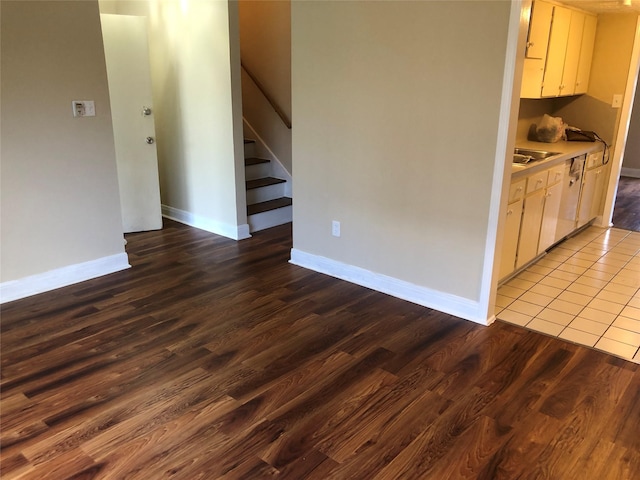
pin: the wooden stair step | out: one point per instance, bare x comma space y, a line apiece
255, 161
263, 182
269, 205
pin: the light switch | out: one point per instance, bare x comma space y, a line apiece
83, 108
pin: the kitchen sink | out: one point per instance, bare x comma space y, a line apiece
525, 155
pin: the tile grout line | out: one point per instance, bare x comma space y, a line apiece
600, 337
606, 242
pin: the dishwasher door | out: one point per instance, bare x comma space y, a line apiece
567, 217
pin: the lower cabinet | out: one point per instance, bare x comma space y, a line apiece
511, 232
552, 198
532, 216
530, 227
534, 208
593, 186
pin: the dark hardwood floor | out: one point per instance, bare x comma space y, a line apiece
218, 359
626, 211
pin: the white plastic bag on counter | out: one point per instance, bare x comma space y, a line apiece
551, 129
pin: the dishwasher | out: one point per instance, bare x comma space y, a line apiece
567, 217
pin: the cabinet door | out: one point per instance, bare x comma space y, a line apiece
516, 190
586, 54
539, 26
532, 76
598, 192
574, 42
510, 243
557, 51
530, 228
550, 217
537, 181
587, 196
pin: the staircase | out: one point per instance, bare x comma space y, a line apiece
267, 203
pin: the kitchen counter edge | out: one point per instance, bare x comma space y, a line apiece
566, 150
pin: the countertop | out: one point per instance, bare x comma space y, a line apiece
566, 150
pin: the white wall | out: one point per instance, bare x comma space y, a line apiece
60, 203
195, 68
396, 108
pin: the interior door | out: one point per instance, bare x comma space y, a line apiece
127, 58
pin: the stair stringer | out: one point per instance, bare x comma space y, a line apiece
262, 150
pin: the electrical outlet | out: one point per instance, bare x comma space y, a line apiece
78, 108
335, 228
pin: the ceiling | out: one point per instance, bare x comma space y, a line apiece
604, 6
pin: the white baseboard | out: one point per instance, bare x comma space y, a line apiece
630, 172
62, 277
444, 302
239, 232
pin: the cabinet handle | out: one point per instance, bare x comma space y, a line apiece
509, 212
530, 44
539, 181
519, 189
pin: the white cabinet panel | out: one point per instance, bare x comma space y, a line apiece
557, 52
553, 195
516, 191
530, 228
560, 66
537, 181
593, 185
572, 57
538, 38
510, 242
586, 54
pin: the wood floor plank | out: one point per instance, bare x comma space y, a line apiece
626, 212
212, 358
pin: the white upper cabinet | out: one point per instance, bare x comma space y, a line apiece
553, 70
539, 27
586, 54
561, 65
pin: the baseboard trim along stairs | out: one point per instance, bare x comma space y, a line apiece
267, 203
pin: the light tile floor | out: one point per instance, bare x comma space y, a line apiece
585, 290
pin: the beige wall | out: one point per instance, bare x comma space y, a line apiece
612, 55
59, 194
531, 112
615, 35
396, 108
265, 43
196, 89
